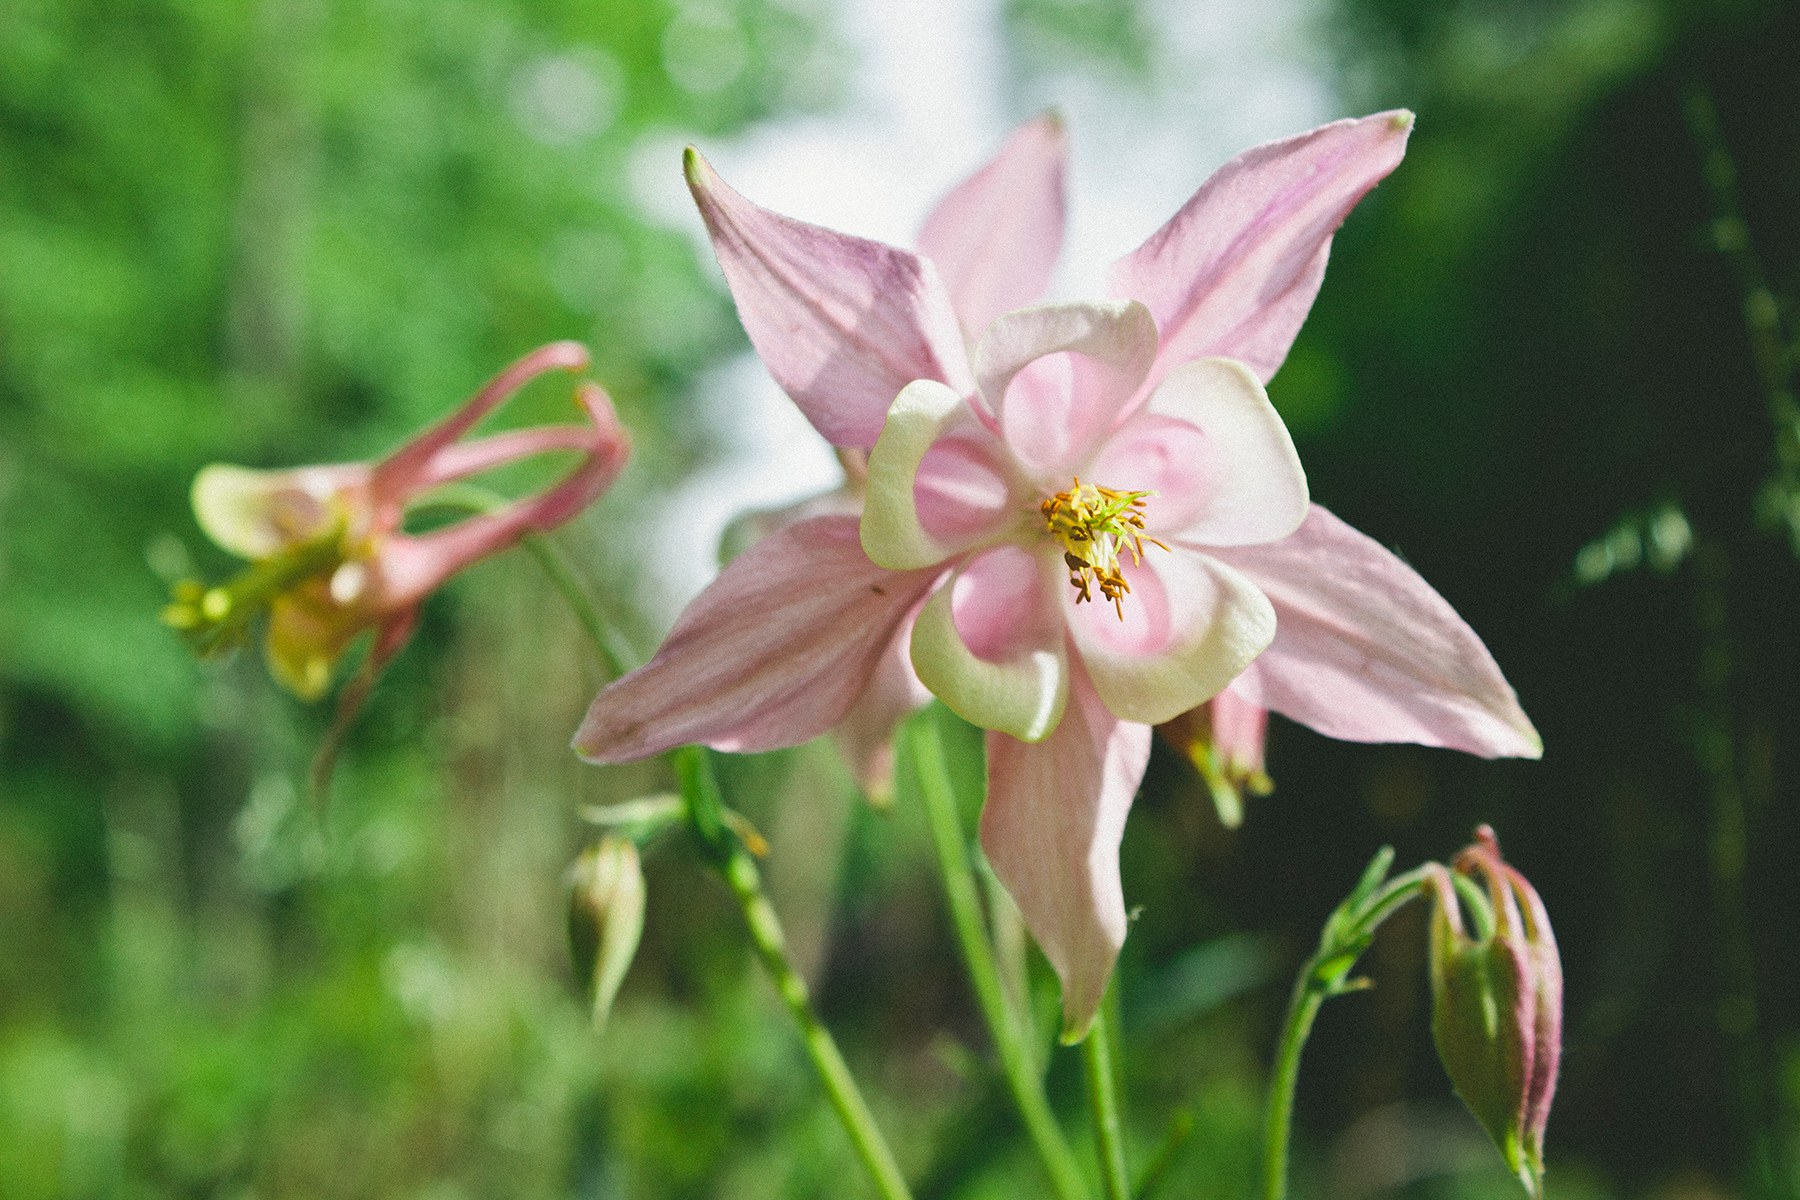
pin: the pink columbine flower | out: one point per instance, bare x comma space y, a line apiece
330, 559
1065, 511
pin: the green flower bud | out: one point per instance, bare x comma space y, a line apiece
1496, 994
606, 918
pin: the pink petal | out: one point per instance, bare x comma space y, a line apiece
1059, 376
398, 476
1001, 604
1051, 828
1235, 271
412, 567
995, 238
1240, 730
1190, 625
963, 491
1224, 739
865, 737
936, 480
1216, 454
990, 646
841, 322
772, 654
472, 458
1366, 651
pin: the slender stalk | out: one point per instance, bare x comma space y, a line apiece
1775, 349
1347, 934
765, 934
1103, 1099
712, 822
1727, 860
1774, 341
1303, 1007
712, 825
984, 974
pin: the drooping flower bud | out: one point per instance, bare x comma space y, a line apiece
606, 918
1224, 739
1496, 993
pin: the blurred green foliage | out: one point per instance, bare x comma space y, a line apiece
285, 232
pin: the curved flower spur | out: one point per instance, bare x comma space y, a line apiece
329, 556
1122, 448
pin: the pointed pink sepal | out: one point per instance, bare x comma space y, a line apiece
414, 566
1051, 828
995, 238
842, 323
1366, 651
773, 653
1234, 273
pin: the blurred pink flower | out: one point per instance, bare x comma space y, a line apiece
330, 559
1078, 613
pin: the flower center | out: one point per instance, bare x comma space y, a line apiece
1095, 526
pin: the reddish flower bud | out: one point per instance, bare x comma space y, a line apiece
1497, 1001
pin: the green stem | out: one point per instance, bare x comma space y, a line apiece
765, 933
1728, 841
1302, 1008
978, 956
1775, 348
1347, 934
1103, 1099
735, 864
710, 824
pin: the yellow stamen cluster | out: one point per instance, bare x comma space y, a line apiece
1094, 525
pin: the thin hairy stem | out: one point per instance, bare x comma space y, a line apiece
1327, 973
712, 825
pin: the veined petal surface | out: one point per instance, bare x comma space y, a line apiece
1051, 828
772, 654
995, 238
842, 323
1234, 273
1366, 651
